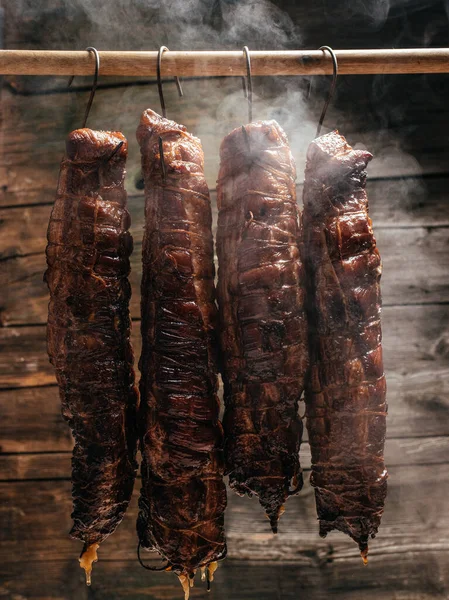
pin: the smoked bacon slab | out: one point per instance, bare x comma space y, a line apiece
183, 495
88, 331
345, 393
262, 312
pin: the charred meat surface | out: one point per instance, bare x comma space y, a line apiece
183, 495
88, 331
345, 394
262, 313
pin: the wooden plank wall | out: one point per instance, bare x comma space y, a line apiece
408, 191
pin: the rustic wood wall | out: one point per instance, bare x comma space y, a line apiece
404, 121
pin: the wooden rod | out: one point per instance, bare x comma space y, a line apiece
213, 63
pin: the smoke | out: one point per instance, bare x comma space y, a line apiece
289, 106
370, 111
148, 24
260, 22
373, 14
196, 24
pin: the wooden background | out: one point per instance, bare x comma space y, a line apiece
404, 120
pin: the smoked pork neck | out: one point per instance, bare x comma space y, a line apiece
88, 330
345, 394
262, 315
183, 496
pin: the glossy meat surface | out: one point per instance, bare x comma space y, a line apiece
183, 496
346, 393
263, 323
89, 327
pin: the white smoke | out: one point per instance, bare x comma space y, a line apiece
218, 24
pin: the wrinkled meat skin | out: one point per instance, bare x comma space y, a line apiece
89, 328
183, 496
263, 322
346, 393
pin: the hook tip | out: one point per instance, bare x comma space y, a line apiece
248, 83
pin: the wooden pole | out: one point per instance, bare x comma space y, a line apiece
222, 63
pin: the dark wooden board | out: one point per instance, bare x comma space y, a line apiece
31, 421
398, 202
45, 465
410, 522
57, 465
415, 264
25, 298
382, 105
418, 406
394, 203
408, 202
416, 361
37, 126
23, 357
415, 339
415, 268
408, 576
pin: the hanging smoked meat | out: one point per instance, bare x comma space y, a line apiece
345, 394
263, 322
183, 496
88, 331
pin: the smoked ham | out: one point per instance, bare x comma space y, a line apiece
88, 331
262, 313
345, 393
183, 496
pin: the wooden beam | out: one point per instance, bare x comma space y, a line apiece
226, 63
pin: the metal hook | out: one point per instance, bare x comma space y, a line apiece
248, 84
298, 483
246, 138
162, 49
147, 566
94, 83
162, 161
332, 88
114, 152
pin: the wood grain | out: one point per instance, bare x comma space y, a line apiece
212, 63
23, 356
416, 346
38, 126
403, 121
31, 421
409, 518
418, 407
412, 575
47, 465
25, 298
57, 465
415, 266
24, 363
408, 202
394, 203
